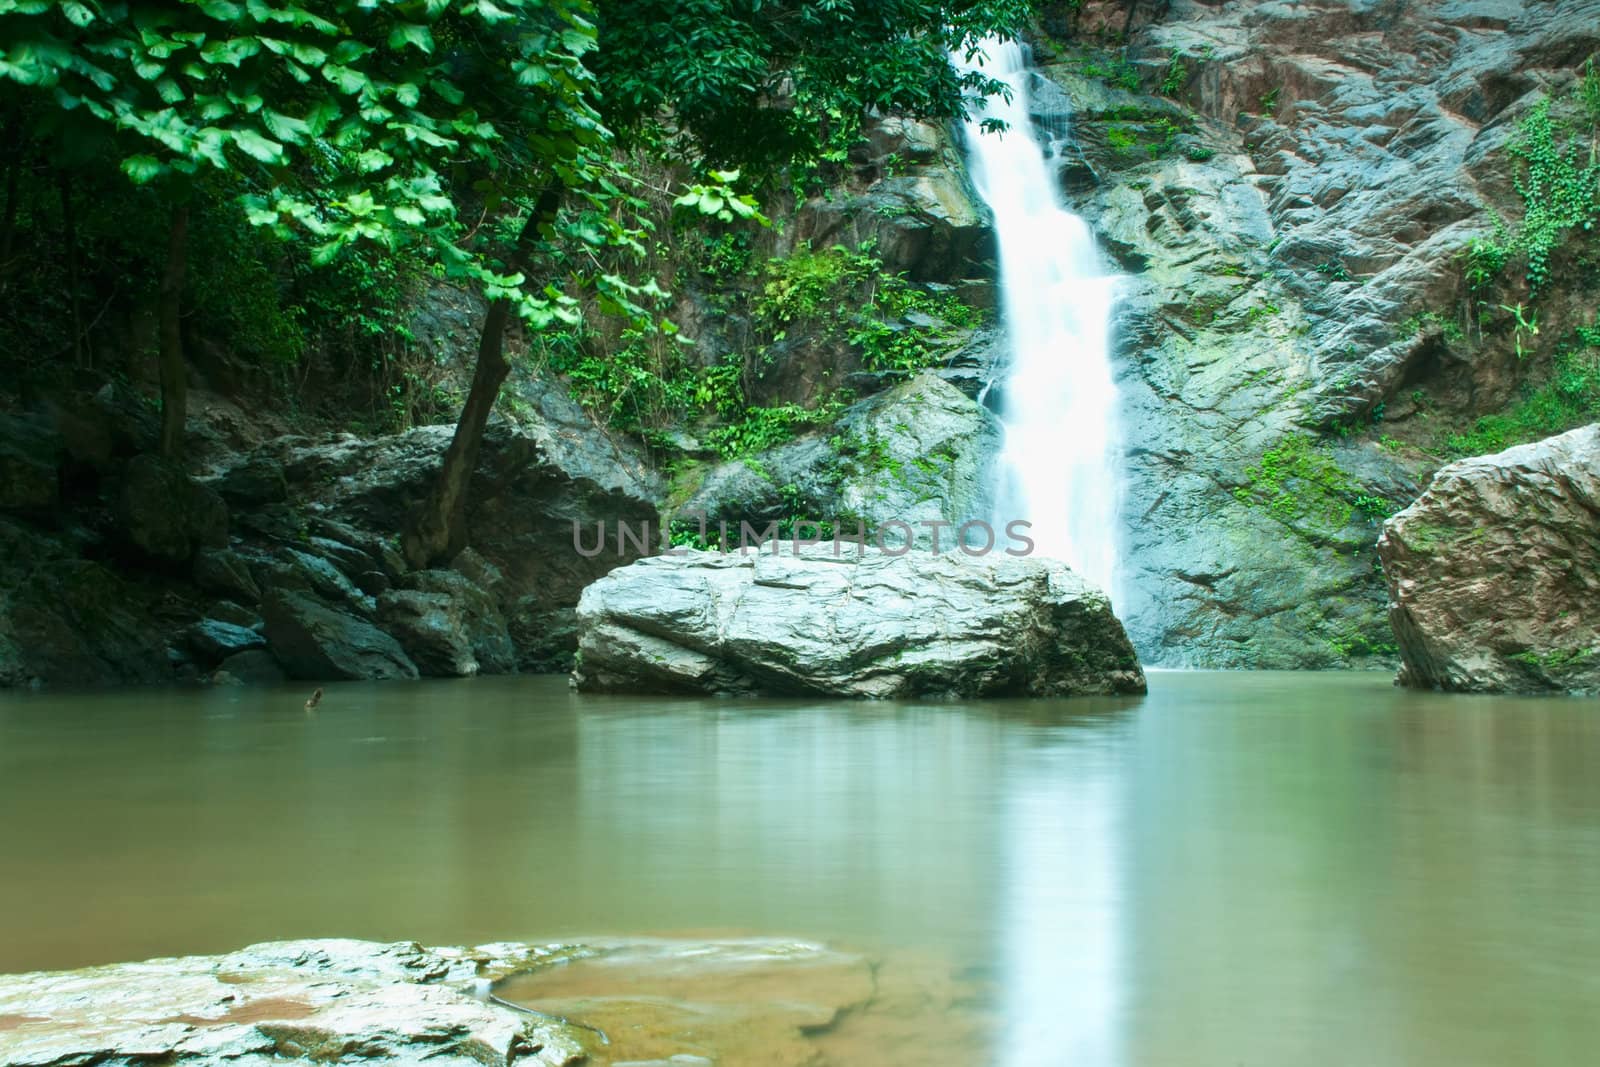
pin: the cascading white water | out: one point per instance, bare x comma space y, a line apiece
1058, 401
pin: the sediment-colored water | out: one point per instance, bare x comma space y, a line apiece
1257, 868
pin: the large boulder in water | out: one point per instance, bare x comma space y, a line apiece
319, 643
873, 624
429, 627
1494, 573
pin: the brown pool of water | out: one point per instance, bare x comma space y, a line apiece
1259, 868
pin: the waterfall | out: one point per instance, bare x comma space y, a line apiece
1058, 402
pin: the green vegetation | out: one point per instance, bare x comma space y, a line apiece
1176, 76
1353, 644
763, 427
1137, 132
645, 381
1113, 70
470, 139
1560, 188
1427, 321
1571, 397
1299, 483
1555, 661
1485, 257
1557, 175
1261, 311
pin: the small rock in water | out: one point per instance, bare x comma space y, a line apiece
281, 1002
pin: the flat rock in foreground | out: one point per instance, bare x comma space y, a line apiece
1494, 573
332, 1001
873, 625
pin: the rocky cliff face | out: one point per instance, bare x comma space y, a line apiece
279, 558
1290, 188
1494, 573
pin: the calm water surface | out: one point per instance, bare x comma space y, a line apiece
1239, 869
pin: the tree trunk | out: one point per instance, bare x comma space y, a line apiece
69, 229
174, 380
437, 529
8, 222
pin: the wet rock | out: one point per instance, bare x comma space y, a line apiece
478, 571
375, 549
773, 1002
430, 628
74, 622
1494, 573
316, 642
545, 636
213, 640
99, 428
258, 480
165, 514
920, 451
237, 614
535, 476
881, 625
257, 667
296, 569
351, 561
29, 466
283, 1002
481, 623
919, 216
224, 573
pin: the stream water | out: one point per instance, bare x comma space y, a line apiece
1240, 868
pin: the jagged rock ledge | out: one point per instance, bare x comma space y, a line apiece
838, 621
1494, 573
327, 1001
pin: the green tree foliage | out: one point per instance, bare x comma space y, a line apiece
354, 121
478, 133
760, 84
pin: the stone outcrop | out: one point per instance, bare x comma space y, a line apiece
330, 1001
29, 458
165, 514
72, 622
643, 1002
877, 625
918, 215
1494, 573
919, 451
319, 643
536, 474
215, 640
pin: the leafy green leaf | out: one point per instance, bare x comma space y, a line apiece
142, 168
255, 145
418, 37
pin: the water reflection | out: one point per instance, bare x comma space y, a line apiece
1061, 982
1266, 869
